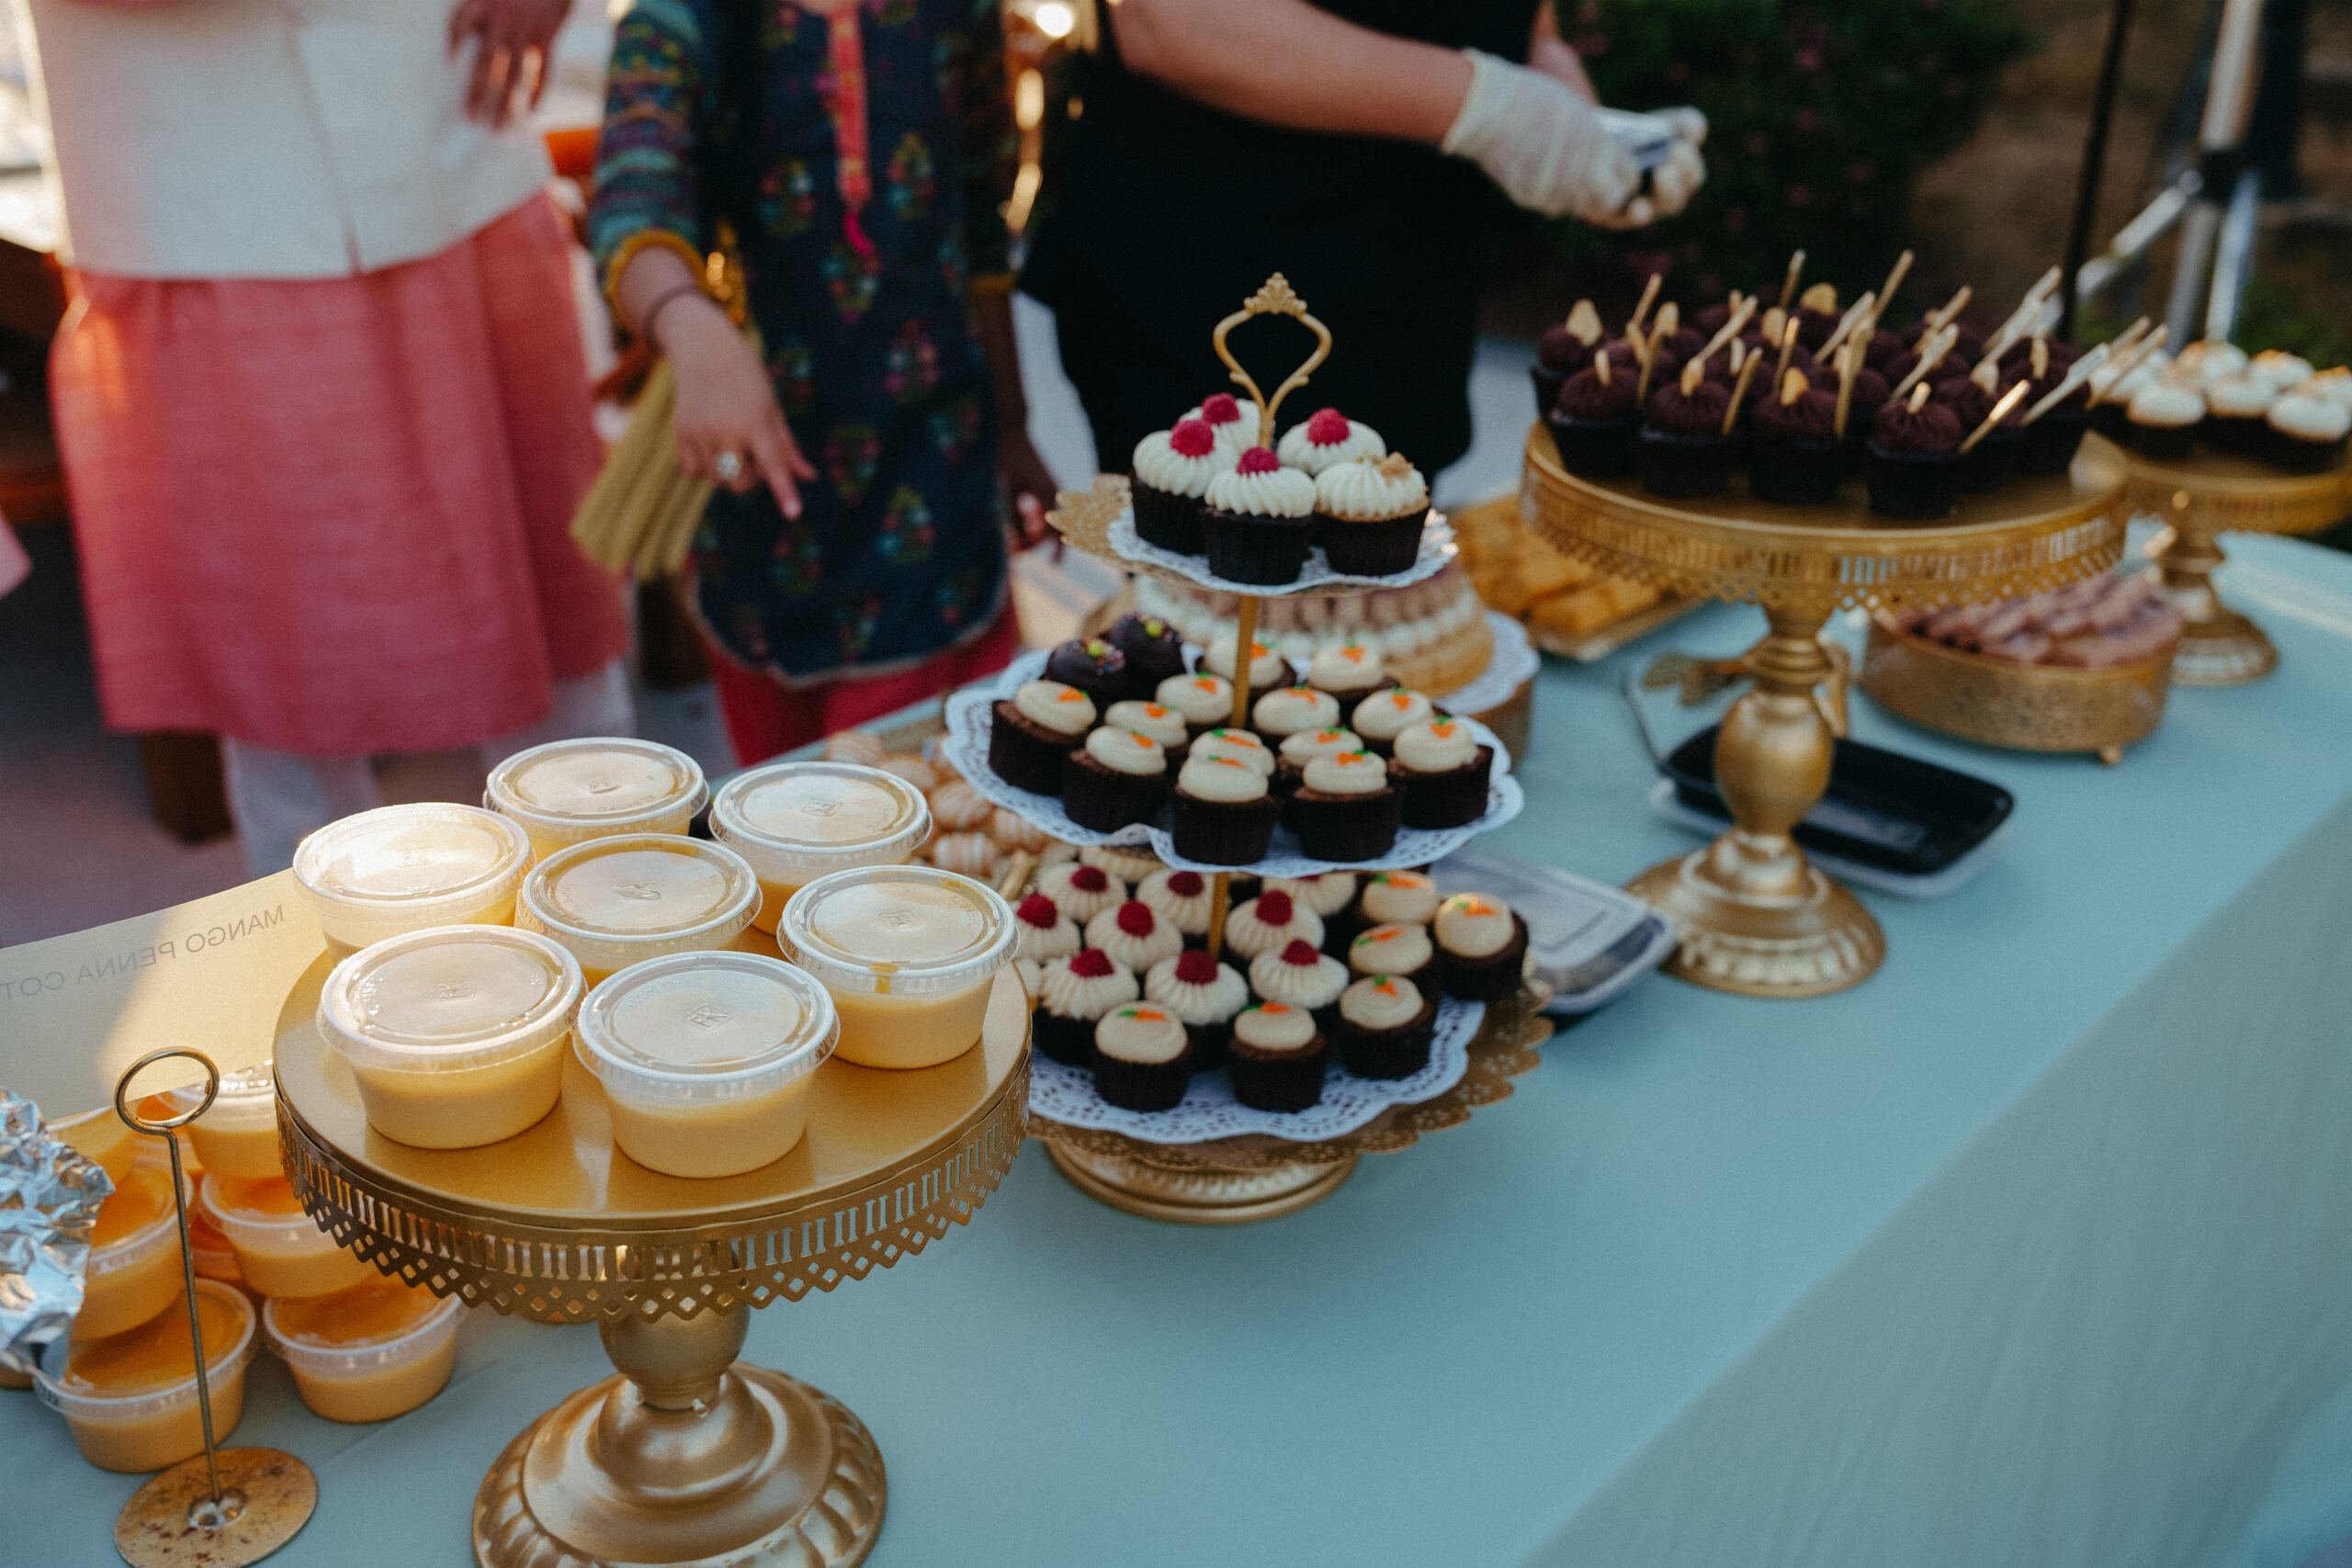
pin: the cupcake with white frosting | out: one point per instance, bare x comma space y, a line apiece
1327, 892
1302, 747
1081, 891
1276, 1057
1269, 922
1346, 809
1033, 731
1268, 669
1481, 947
1134, 936
2236, 406
1158, 720
1042, 933
1391, 896
1142, 1058
2163, 420
1287, 710
1172, 473
1383, 715
1349, 670
1204, 994
1235, 746
1401, 948
2307, 432
1325, 439
2284, 371
1300, 975
1182, 898
1203, 701
1233, 421
1115, 779
1224, 809
1257, 522
1369, 516
1443, 770
1073, 994
1384, 1027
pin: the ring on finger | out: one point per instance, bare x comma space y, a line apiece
728, 467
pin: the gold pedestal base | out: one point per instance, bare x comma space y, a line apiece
2222, 649
1819, 940
1198, 1197
269, 1497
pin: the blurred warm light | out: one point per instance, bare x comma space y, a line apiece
1024, 196
1029, 100
1054, 19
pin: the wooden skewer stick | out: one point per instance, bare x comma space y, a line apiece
1932, 349
1646, 350
1649, 293
1788, 347
2022, 319
1849, 357
2127, 363
1739, 390
1858, 313
1940, 319
2076, 374
2129, 338
1894, 281
1729, 331
1789, 283
2009, 399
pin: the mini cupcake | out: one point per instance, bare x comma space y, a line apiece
1142, 1058
1093, 666
2307, 432
1234, 425
1258, 522
2163, 420
1794, 458
1225, 811
1031, 732
1987, 465
1073, 994
1134, 936
1234, 746
1116, 778
1271, 921
1402, 948
1384, 1027
1346, 808
1267, 668
1682, 448
1126, 865
1914, 461
1302, 747
1397, 895
2237, 409
1042, 933
1204, 995
1276, 1057
2051, 441
1172, 473
1326, 892
1816, 314
1383, 715
1443, 772
1081, 891
2282, 370
1301, 975
1287, 710
1561, 350
1369, 516
1156, 721
1154, 650
1349, 671
1181, 898
1593, 420
1205, 700
1481, 947
1883, 349
1327, 439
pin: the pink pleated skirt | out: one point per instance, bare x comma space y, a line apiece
332, 515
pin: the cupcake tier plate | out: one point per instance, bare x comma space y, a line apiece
1316, 577
966, 750
2213, 494
1209, 1112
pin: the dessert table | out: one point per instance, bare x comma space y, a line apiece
2027, 1250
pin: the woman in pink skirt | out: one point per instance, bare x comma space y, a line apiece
322, 399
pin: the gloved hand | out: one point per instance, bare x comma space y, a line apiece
1675, 181
1545, 145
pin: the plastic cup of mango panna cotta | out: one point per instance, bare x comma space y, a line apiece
237, 1135
618, 901
568, 791
280, 1250
455, 1036
909, 953
795, 822
403, 868
133, 1270
368, 1352
707, 1058
130, 1398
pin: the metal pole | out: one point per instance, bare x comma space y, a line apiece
2078, 235
2220, 135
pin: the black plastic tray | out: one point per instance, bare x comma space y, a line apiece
1882, 809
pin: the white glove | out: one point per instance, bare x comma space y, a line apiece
1544, 145
1675, 181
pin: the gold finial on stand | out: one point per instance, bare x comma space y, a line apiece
227, 1507
1274, 298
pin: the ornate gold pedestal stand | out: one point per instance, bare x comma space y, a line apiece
688, 1456
2213, 494
1755, 916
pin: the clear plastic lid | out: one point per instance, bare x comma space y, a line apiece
359, 1345
259, 1211
429, 862
135, 1247
702, 1027
797, 821
247, 1100
619, 900
569, 790
228, 1355
897, 930
449, 997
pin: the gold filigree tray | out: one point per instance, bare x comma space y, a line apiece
2025, 707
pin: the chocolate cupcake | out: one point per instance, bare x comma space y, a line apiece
1370, 514
1081, 891
1682, 448
1794, 458
1042, 933
1183, 899
1093, 666
1134, 936
1203, 700
1269, 922
1443, 772
1116, 778
1968, 345
1401, 947
1234, 423
1073, 994
1032, 731
1258, 522
1384, 1027
1204, 995
1914, 461
1302, 747
1276, 1057
1287, 710
1299, 975
1327, 439
1327, 893
2237, 410
1346, 808
1988, 465
1349, 671
1142, 1058
1267, 668
1481, 947
1154, 650
1561, 350
1592, 423
2307, 432
1172, 469
1383, 715
2051, 439
2163, 420
1235, 746
1157, 720
1881, 349
1391, 897
1816, 314
1225, 811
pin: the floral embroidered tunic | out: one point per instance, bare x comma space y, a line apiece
862, 310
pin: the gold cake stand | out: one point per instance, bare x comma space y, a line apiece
2213, 494
1755, 916
686, 1456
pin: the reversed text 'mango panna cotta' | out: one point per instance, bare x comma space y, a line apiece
368, 1353
797, 821
130, 1399
455, 1035
614, 902
705, 1059
567, 792
402, 868
909, 953
134, 1265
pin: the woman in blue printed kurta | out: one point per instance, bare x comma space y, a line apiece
857, 155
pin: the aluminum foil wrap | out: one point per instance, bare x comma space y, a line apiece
50, 1194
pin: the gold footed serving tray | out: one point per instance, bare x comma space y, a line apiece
1755, 916
2211, 494
1233, 1182
687, 1456
2026, 708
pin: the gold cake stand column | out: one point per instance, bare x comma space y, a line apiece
1755, 916
2218, 645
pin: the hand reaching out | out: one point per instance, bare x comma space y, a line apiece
1030, 484
729, 429
512, 37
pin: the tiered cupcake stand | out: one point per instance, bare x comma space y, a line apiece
686, 1455
1755, 916
2213, 494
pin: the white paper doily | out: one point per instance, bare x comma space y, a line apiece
1208, 1110
1515, 660
1437, 549
966, 750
